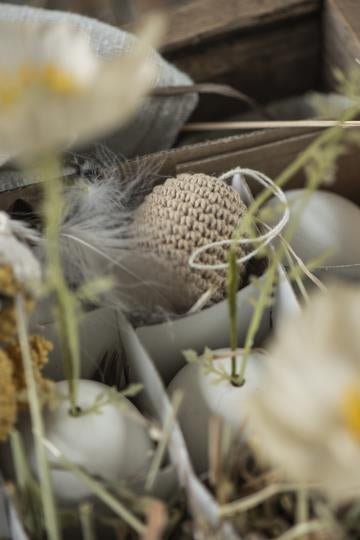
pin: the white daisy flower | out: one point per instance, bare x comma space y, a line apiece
306, 416
55, 90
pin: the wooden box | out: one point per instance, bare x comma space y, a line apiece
270, 49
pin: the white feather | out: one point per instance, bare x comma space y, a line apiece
96, 236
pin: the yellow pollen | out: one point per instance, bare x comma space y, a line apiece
59, 81
8, 95
10, 89
350, 406
27, 77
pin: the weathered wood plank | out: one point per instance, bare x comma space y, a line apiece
268, 151
198, 20
341, 31
271, 64
273, 157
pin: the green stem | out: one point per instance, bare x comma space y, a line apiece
98, 489
266, 290
47, 496
21, 473
262, 302
87, 521
302, 505
65, 301
28, 488
296, 165
232, 289
160, 451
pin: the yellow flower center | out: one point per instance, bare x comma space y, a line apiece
8, 94
350, 406
49, 76
59, 81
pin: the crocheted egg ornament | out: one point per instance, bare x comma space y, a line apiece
185, 213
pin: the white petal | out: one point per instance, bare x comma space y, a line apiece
45, 120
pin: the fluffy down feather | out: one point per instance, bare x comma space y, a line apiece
96, 238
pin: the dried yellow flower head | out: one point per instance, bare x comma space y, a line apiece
183, 214
9, 287
40, 349
8, 401
12, 380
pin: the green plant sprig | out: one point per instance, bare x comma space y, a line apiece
233, 281
87, 521
111, 396
96, 488
28, 488
47, 495
327, 145
67, 308
161, 448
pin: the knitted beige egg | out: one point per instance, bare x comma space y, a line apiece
185, 213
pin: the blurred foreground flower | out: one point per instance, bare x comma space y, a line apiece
306, 416
54, 90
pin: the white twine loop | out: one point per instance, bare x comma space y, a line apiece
262, 239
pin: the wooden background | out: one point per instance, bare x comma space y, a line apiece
117, 12
237, 42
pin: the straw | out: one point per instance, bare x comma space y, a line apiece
270, 124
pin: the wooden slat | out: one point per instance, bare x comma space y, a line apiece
199, 20
267, 65
271, 152
267, 151
341, 30
273, 157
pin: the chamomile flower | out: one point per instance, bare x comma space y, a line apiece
54, 90
306, 416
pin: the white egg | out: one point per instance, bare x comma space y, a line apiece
111, 443
328, 222
204, 396
165, 342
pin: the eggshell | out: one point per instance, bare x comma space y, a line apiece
328, 222
204, 396
165, 342
111, 443
98, 336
